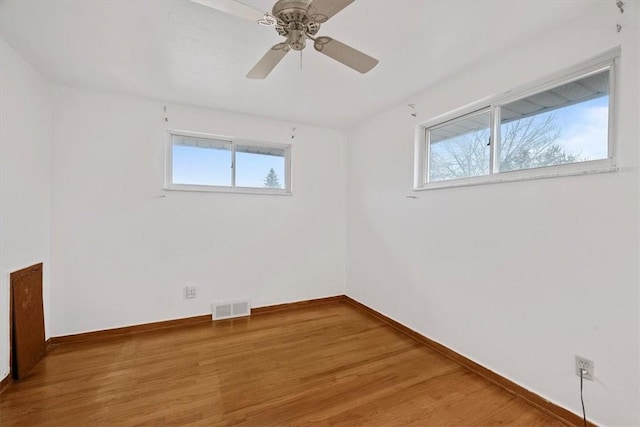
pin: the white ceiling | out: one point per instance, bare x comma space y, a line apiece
183, 52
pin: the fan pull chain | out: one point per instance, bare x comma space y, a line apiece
301, 60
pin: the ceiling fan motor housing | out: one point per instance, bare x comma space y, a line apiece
294, 22
296, 37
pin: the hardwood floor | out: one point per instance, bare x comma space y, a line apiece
329, 364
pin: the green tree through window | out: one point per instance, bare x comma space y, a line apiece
271, 180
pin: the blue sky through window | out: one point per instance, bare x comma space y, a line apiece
584, 129
201, 165
212, 166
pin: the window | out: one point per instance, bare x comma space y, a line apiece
460, 148
558, 128
565, 124
212, 163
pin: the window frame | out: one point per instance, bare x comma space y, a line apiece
607, 61
233, 141
427, 164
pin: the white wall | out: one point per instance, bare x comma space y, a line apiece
122, 254
25, 169
518, 277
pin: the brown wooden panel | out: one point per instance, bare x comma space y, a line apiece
28, 319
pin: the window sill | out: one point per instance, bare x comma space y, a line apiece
236, 190
594, 167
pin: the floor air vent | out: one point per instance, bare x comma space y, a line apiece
228, 310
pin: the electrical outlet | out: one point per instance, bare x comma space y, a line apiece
586, 366
190, 292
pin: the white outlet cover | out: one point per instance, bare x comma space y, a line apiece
190, 292
588, 365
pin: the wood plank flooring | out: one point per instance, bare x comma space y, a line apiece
323, 365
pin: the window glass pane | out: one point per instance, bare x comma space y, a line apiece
201, 161
460, 149
566, 124
260, 167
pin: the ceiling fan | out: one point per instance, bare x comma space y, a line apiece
297, 20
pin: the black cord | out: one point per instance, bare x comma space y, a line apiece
584, 414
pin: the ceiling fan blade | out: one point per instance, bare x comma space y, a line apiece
269, 61
321, 10
233, 7
349, 56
